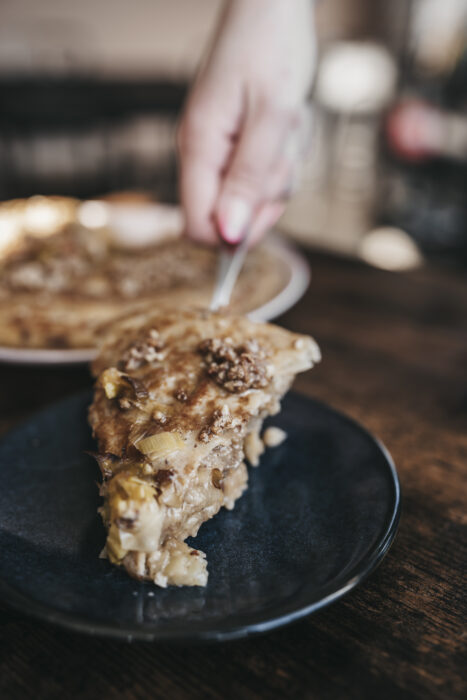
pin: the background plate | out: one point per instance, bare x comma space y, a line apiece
320, 513
298, 280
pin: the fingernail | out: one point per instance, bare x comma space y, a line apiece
234, 217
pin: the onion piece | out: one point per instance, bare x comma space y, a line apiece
113, 545
160, 444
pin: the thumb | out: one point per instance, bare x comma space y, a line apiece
246, 180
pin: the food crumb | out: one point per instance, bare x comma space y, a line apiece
254, 448
273, 436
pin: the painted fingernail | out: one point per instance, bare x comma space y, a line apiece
234, 217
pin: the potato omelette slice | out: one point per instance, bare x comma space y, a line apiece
179, 404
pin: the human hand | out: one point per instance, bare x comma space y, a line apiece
241, 135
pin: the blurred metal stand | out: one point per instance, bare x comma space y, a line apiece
336, 203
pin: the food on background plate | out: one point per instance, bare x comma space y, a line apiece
179, 404
68, 268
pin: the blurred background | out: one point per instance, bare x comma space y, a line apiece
91, 91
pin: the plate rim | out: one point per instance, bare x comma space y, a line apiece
299, 279
206, 633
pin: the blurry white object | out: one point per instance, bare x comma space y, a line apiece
133, 225
139, 225
43, 216
10, 229
93, 214
390, 248
37, 216
437, 31
356, 77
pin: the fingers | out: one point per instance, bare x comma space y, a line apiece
255, 164
229, 184
202, 152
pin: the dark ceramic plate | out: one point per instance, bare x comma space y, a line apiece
319, 515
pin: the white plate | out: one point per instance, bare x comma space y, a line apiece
299, 279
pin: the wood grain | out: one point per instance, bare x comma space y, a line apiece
395, 352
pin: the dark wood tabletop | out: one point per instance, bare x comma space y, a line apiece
394, 357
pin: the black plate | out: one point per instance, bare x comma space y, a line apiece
320, 513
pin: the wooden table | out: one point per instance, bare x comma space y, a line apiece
395, 351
